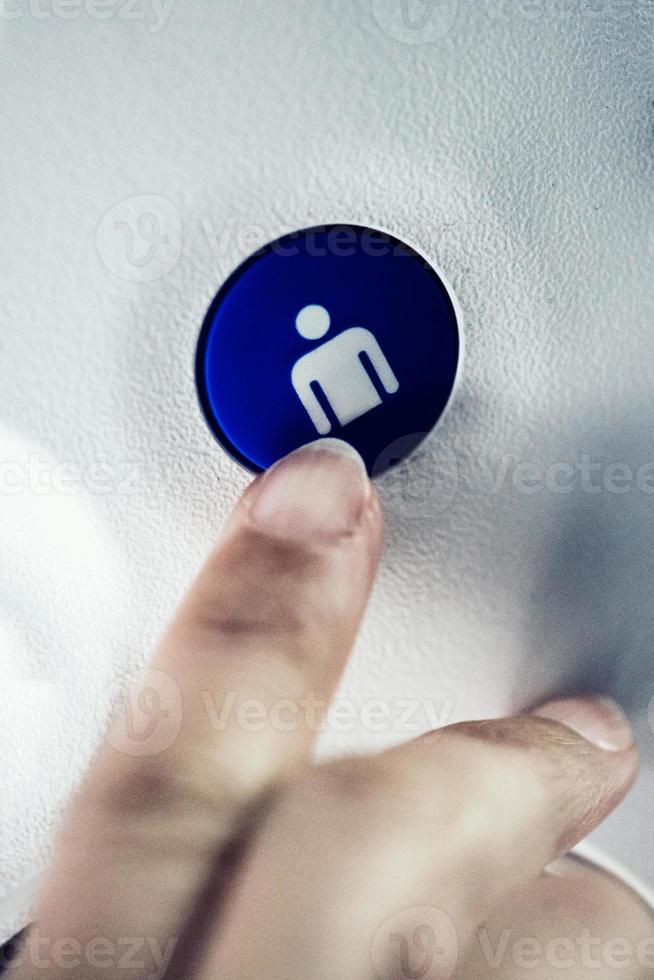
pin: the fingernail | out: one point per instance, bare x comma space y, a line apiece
599, 720
320, 490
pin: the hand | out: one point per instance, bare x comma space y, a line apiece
214, 847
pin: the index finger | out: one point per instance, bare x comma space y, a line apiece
270, 619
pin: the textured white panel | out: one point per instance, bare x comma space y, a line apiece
512, 141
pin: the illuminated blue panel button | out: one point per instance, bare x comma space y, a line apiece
338, 331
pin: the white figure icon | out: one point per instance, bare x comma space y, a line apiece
337, 368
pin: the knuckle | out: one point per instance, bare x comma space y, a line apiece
495, 771
172, 802
368, 798
252, 556
496, 790
122, 785
345, 785
262, 592
351, 780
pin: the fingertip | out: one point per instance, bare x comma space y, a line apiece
319, 493
600, 720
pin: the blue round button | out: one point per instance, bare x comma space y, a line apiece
339, 331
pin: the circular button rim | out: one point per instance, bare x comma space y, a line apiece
429, 265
